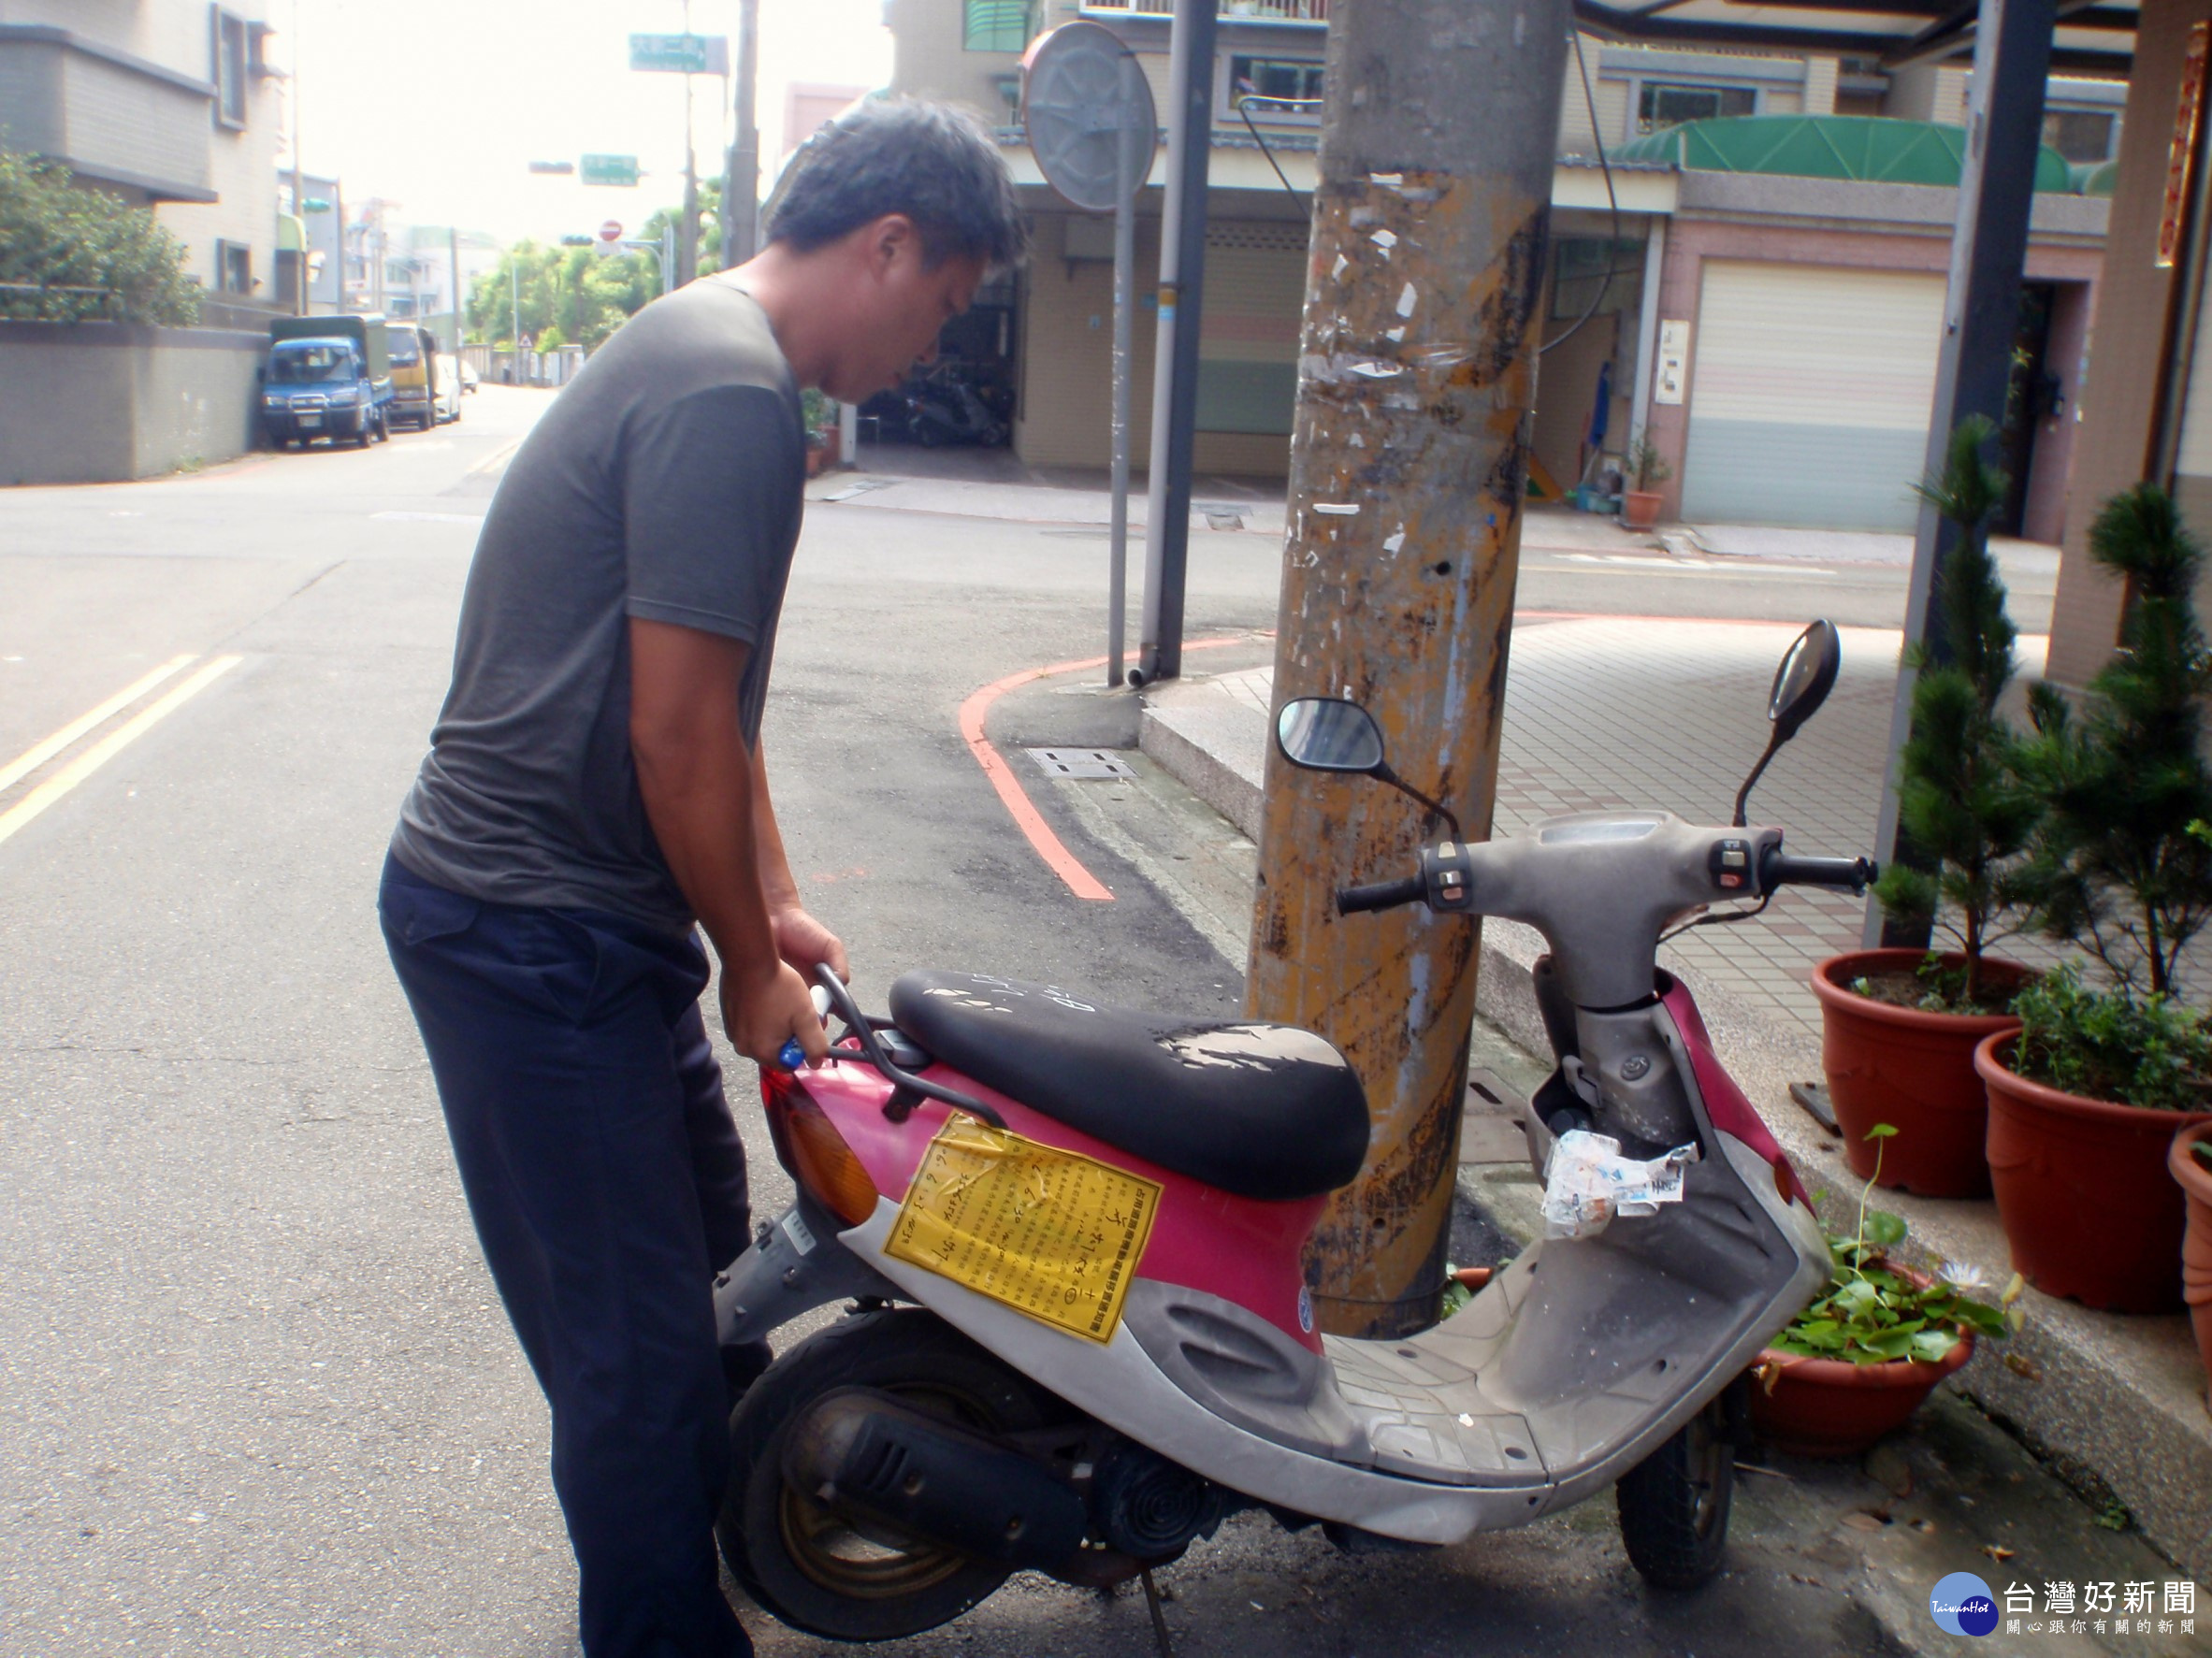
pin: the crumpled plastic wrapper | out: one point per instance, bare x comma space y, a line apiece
1589, 1182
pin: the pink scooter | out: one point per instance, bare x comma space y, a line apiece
1081, 1334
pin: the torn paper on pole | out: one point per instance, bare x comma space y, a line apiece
1589, 1182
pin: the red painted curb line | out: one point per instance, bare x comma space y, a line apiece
1062, 862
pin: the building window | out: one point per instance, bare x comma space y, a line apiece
1589, 271
1295, 81
234, 268
998, 25
1661, 104
231, 59
2081, 135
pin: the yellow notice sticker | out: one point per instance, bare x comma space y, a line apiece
1051, 1234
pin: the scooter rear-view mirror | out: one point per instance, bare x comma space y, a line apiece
1333, 734
1801, 684
1329, 734
1804, 679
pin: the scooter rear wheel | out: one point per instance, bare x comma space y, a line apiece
811, 1568
1674, 1505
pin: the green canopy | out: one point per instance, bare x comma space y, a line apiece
1873, 147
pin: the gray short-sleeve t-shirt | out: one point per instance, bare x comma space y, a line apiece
665, 483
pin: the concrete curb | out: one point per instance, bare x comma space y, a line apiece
2116, 1403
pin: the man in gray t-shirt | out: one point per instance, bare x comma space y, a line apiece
596, 785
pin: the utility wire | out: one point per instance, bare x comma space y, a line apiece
1244, 105
1605, 165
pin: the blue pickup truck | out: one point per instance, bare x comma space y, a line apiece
326, 377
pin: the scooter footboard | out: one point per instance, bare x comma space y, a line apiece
1605, 1346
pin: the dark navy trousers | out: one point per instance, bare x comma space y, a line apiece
608, 1186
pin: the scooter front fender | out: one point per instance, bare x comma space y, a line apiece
796, 1264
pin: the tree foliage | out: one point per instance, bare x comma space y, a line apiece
1961, 800
57, 236
2117, 866
577, 296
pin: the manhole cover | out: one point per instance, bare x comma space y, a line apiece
1080, 762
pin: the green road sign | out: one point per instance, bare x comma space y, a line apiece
677, 55
610, 169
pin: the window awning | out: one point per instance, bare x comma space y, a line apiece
2094, 37
1875, 149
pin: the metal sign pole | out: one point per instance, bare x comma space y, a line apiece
1126, 189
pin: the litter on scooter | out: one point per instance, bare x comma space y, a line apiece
1589, 1182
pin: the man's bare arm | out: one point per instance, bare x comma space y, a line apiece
800, 938
699, 785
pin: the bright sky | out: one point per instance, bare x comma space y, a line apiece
439, 105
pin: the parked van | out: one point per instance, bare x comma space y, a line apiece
414, 374
326, 377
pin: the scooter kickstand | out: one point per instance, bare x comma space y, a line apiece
1159, 1621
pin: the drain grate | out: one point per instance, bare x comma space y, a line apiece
1080, 762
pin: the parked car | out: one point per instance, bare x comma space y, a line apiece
468, 375
326, 377
445, 386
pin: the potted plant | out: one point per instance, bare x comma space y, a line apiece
821, 416
1859, 1361
2085, 1101
2082, 1105
1641, 501
2190, 1160
1900, 1027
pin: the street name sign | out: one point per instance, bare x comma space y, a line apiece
610, 169
681, 54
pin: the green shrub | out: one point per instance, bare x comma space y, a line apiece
2109, 1044
55, 235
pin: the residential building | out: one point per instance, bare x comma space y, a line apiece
171, 104
1800, 314
2146, 411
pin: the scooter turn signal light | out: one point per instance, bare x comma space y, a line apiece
815, 1152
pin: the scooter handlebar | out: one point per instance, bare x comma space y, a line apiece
1780, 869
1379, 895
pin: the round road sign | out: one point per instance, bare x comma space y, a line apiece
610, 232
1092, 125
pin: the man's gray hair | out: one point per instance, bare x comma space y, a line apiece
934, 163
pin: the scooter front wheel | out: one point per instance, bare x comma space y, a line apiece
810, 1567
1674, 1504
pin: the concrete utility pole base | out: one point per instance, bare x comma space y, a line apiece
1408, 467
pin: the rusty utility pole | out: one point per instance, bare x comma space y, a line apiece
1418, 373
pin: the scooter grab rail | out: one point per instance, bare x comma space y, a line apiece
871, 1052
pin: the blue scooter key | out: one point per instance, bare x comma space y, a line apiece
791, 1056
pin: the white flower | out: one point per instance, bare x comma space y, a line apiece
1961, 1275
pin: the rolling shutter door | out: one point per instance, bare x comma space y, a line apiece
1810, 393
1248, 334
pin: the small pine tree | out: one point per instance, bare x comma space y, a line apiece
2115, 869
1961, 799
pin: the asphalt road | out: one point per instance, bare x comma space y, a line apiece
257, 1395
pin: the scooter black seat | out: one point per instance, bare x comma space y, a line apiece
1264, 1111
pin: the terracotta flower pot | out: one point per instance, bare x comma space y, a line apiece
1639, 508
1830, 1407
2082, 1190
1911, 1069
2196, 1241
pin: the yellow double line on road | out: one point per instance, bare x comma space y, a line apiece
100, 752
